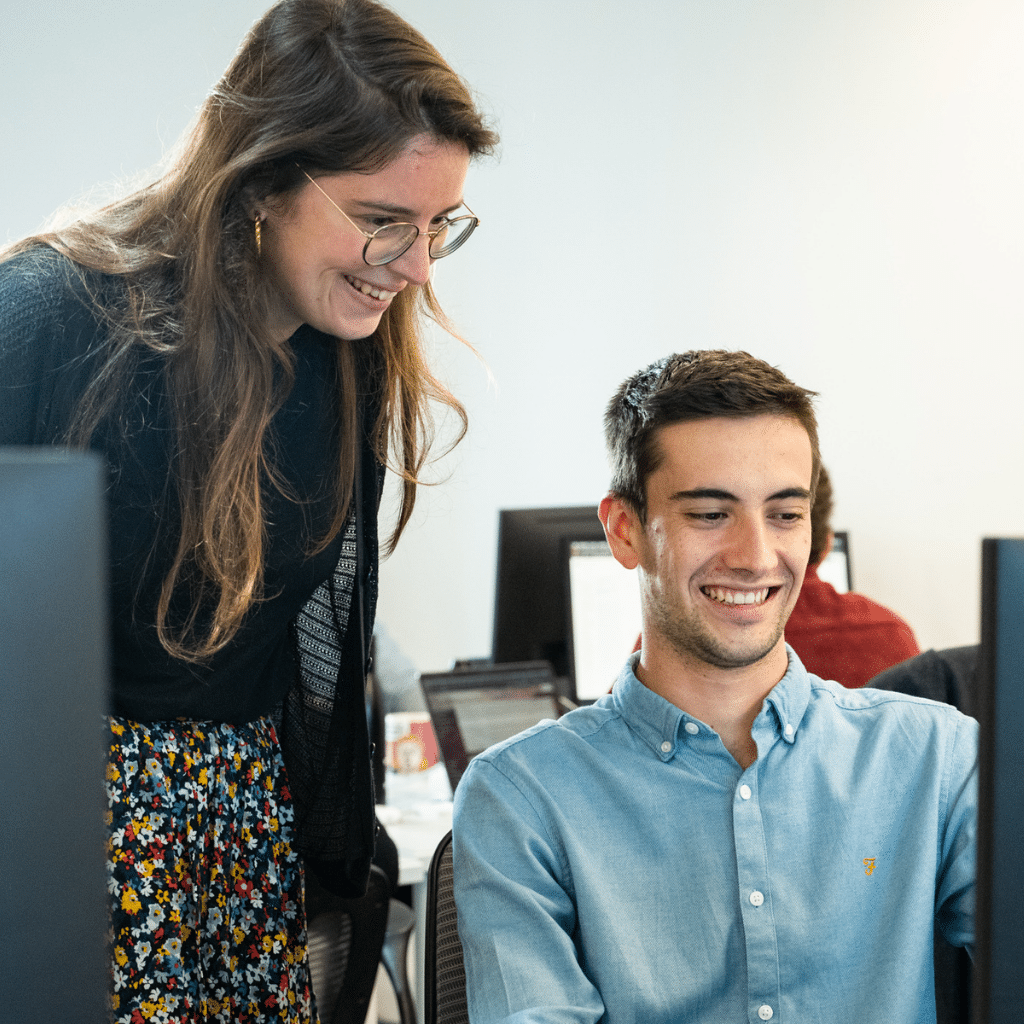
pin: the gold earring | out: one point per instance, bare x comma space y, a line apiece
259, 245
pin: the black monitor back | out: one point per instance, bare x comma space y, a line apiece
53, 692
999, 931
531, 620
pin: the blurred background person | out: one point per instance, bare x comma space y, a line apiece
845, 637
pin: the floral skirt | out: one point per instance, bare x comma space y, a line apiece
206, 893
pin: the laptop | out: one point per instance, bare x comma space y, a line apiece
476, 706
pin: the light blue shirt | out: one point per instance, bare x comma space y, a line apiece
619, 865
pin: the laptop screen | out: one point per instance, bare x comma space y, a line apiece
472, 709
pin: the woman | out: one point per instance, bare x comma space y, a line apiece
240, 340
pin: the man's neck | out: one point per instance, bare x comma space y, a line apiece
726, 699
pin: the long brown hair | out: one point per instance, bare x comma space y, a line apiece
331, 86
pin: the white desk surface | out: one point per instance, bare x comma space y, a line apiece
417, 815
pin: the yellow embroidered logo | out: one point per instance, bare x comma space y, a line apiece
869, 865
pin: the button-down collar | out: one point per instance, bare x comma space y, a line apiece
663, 726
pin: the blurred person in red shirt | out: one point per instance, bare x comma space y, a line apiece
845, 637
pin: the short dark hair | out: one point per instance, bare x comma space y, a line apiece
821, 517
693, 386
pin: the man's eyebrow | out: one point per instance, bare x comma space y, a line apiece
717, 494
712, 493
791, 492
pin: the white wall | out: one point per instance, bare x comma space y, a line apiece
834, 187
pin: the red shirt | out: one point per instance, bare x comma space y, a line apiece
846, 637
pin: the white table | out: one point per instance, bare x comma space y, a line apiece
417, 815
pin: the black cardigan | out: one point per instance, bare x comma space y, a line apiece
50, 341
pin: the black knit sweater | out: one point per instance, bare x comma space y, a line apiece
50, 340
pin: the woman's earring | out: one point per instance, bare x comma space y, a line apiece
259, 244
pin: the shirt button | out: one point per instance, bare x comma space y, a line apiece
789, 732
756, 899
692, 728
666, 747
765, 1012
745, 792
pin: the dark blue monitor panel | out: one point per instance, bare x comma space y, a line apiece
531, 621
53, 693
999, 944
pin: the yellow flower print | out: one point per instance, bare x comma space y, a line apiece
130, 902
120, 956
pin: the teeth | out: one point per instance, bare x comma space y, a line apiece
737, 596
366, 289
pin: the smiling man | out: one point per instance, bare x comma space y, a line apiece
724, 837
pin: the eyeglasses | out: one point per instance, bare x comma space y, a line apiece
387, 243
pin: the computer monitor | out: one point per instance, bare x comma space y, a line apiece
999, 925
835, 567
604, 616
530, 606
53, 694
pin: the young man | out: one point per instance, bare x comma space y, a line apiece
723, 838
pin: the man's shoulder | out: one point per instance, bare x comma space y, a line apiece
548, 743
867, 704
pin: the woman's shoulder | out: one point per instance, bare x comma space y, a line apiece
41, 281
50, 329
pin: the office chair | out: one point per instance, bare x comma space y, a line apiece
345, 939
395, 957
444, 989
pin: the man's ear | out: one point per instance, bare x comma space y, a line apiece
622, 529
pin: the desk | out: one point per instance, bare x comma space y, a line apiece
417, 815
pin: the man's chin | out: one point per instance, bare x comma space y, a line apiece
736, 656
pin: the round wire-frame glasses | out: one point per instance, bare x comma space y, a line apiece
387, 243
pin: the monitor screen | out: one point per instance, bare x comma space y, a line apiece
835, 566
604, 616
530, 606
999, 928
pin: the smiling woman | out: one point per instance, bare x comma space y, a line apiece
320, 266
248, 366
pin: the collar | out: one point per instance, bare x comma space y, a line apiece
664, 727
788, 699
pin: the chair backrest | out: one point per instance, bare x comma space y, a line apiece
444, 988
345, 938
